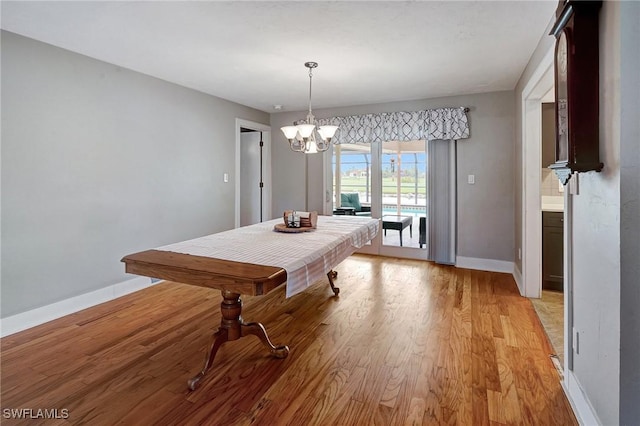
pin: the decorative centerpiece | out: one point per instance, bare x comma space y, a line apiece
297, 221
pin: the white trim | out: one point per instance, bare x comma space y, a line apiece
536, 88
545, 63
532, 209
34, 317
484, 264
327, 181
517, 277
583, 410
568, 280
266, 178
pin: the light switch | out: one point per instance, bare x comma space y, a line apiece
471, 179
225, 177
574, 185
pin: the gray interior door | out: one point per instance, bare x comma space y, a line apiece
251, 201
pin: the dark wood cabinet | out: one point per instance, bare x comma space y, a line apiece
552, 250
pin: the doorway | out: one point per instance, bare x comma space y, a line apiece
387, 181
251, 177
533, 96
550, 305
253, 173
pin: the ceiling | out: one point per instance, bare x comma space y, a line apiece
253, 53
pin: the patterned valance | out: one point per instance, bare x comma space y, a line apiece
430, 124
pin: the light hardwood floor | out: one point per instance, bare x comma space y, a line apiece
406, 342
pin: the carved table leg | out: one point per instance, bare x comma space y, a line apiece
257, 329
219, 337
232, 328
333, 275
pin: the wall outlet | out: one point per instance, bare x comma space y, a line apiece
471, 179
225, 177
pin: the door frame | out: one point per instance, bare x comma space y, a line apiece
376, 247
539, 84
266, 167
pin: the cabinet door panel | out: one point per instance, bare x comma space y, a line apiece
552, 251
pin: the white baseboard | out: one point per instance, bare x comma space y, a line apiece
484, 264
34, 317
578, 400
517, 276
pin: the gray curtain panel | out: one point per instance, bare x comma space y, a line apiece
442, 201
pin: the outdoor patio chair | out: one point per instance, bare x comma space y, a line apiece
353, 200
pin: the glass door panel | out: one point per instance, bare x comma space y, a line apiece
387, 181
351, 168
404, 194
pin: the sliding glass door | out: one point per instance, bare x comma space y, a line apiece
404, 194
351, 170
387, 181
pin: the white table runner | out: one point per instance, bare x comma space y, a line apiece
306, 256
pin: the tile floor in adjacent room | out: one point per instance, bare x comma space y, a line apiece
550, 310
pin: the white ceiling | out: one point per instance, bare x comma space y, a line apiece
253, 52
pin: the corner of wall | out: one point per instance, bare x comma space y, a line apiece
517, 276
490, 265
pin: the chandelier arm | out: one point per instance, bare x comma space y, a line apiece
322, 147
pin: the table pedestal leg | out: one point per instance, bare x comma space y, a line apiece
333, 275
232, 327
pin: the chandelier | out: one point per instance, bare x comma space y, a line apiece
304, 137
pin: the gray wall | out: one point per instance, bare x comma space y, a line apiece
606, 226
98, 162
288, 169
629, 213
485, 210
595, 244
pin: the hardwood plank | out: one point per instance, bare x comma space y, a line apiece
406, 342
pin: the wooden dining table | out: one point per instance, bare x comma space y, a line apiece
204, 262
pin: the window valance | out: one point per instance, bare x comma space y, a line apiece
430, 124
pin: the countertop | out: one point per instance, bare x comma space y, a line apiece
551, 203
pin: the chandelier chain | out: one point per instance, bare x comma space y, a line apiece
310, 78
